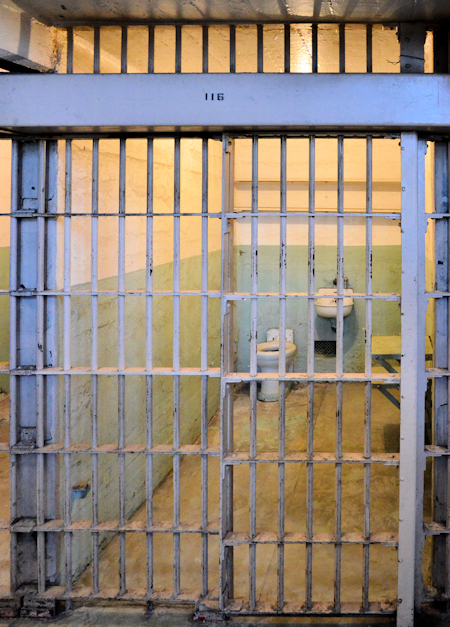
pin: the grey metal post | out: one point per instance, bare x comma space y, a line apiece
33, 348
413, 379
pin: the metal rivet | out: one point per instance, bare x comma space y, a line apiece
408, 65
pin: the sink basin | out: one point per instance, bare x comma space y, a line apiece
326, 306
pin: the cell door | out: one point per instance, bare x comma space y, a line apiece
323, 375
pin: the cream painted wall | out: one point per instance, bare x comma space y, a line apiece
136, 195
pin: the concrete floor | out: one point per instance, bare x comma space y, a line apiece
384, 505
384, 513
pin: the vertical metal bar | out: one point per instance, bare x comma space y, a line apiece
413, 379
339, 371
204, 366
232, 49
97, 49
176, 367
314, 34
226, 566
369, 49
287, 48
368, 372
124, 51
282, 371
149, 364
69, 65
121, 360
253, 369
260, 47
13, 391
441, 552
342, 48
205, 49
67, 361
254, 260
151, 49
40, 402
94, 363
310, 368
178, 31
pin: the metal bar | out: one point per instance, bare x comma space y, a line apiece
69, 61
151, 49
315, 65
204, 366
205, 49
260, 47
252, 482
300, 101
342, 48
178, 31
67, 364
149, 364
176, 367
368, 372
369, 49
339, 370
232, 49
40, 402
94, 363
13, 345
254, 260
121, 362
287, 48
97, 50
124, 51
310, 368
413, 380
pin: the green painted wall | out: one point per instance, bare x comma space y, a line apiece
4, 315
386, 315
135, 391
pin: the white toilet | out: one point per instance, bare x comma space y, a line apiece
267, 359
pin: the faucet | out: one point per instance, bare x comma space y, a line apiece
345, 282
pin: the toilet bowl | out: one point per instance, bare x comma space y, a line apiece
267, 359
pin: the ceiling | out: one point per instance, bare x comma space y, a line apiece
65, 12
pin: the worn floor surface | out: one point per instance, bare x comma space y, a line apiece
384, 513
384, 505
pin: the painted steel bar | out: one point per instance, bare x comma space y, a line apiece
441, 544
13, 344
121, 362
69, 59
124, 50
233, 215
369, 49
287, 48
178, 41
94, 363
96, 50
176, 367
67, 364
149, 364
368, 372
260, 48
254, 260
282, 371
151, 49
252, 486
314, 44
339, 371
232, 49
342, 48
413, 380
299, 100
205, 49
204, 366
310, 370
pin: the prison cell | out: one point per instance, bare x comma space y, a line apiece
143, 465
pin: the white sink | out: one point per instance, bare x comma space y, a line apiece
326, 306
